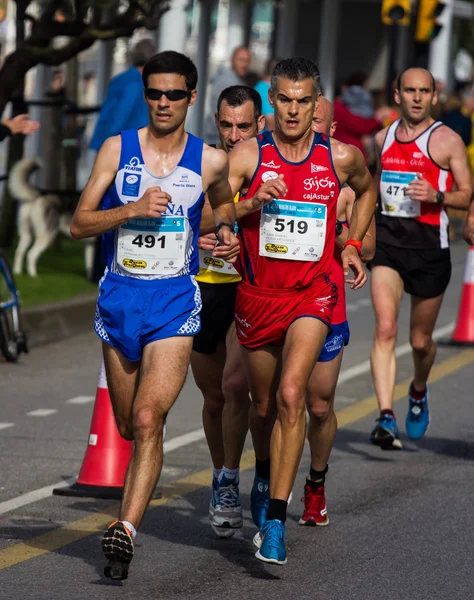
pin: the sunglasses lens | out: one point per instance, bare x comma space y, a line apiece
153, 94
172, 95
175, 95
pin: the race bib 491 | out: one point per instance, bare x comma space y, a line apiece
152, 246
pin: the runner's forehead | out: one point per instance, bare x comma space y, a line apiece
416, 78
244, 113
295, 89
324, 111
167, 81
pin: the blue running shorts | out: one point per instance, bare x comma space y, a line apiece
132, 313
335, 342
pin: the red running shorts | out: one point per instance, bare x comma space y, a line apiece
263, 316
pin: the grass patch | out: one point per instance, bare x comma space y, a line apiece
61, 275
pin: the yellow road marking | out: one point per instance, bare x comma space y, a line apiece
82, 528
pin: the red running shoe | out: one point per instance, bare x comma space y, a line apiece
315, 511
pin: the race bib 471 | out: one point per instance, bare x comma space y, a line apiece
393, 193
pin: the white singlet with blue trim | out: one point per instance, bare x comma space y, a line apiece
167, 246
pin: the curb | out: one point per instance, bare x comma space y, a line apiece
59, 320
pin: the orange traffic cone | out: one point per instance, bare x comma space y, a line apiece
107, 456
464, 331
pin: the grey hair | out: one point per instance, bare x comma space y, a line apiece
141, 52
296, 69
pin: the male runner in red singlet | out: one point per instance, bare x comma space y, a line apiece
421, 160
284, 306
322, 383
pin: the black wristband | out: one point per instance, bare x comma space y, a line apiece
439, 197
223, 224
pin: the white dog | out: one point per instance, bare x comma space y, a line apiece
40, 218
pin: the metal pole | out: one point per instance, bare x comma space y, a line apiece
328, 44
440, 48
195, 120
173, 27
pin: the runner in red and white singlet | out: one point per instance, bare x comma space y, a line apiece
420, 160
289, 180
322, 384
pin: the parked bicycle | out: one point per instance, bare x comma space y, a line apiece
12, 338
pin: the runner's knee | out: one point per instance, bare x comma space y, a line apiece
125, 428
320, 410
148, 421
386, 331
291, 402
421, 342
213, 403
235, 385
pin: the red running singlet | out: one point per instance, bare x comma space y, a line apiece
292, 243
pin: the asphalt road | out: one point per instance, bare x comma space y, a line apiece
401, 522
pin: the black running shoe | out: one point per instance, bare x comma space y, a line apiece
117, 545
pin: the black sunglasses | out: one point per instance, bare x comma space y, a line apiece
172, 95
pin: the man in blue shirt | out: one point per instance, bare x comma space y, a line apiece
262, 88
124, 106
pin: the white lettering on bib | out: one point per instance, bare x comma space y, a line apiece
217, 265
293, 230
395, 202
153, 246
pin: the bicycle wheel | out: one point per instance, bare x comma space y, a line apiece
10, 335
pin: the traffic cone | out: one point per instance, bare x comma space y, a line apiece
107, 455
464, 331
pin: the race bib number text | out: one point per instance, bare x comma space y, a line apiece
152, 246
395, 202
293, 230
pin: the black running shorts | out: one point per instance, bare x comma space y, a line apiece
217, 315
425, 273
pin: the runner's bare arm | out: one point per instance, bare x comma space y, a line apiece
221, 199
207, 219
347, 196
89, 220
469, 226
360, 181
243, 162
447, 150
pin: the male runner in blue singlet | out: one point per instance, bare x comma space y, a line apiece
146, 194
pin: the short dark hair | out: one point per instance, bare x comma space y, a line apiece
171, 62
400, 77
237, 95
296, 69
141, 52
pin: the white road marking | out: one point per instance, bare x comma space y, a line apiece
6, 425
42, 412
198, 434
80, 400
364, 367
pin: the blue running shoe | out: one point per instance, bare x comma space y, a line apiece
272, 548
259, 500
385, 434
418, 417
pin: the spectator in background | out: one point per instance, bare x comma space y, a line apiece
459, 119
237, 73
262, 88
18, 124
124, 106
352, 126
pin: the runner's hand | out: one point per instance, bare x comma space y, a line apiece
207, 242
421, 190
152, 204
21, 124
351, 259
468, 232
268, 191
228, 247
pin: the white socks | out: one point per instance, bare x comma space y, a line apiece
131, 528
230, 474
